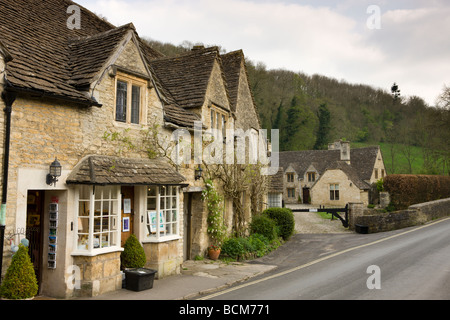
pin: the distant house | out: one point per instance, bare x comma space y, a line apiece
332, 177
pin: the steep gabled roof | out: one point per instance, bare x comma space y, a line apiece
36, 35
362, 161
186, 76
232, 69
50, 59
88, 54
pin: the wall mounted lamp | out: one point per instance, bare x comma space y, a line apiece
55, 172
198, 172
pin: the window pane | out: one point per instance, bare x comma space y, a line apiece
336, 195
135, 104
121, 101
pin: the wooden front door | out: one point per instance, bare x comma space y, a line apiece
306, 196
127, 213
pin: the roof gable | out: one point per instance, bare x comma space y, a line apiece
187, 76
36, 35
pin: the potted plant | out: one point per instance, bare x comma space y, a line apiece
216, 226
214, 252
20, 281
137, 278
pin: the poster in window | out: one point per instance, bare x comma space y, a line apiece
126, 205
126, 224
152, 221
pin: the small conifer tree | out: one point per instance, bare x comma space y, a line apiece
20, 280
133, 254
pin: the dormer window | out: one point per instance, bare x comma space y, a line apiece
130, 100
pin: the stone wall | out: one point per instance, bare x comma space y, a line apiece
379, 221
99, 274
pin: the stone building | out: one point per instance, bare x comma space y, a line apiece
332, 177
90, 97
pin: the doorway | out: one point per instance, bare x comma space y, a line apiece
34, 230
306, 196
127, 213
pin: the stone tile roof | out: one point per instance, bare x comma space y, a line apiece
49, 59
36, 35
232, 68
362, 161
108, 170
276, 181
186, 76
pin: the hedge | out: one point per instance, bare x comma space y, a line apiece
409, 189
284, 219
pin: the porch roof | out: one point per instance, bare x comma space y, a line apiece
109, 170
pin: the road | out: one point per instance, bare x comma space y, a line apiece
406, 264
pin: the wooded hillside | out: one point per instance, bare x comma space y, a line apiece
312, 110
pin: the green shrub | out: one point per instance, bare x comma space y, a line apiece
20, 280
264, 225
258, 244
284, 219
133, 255
233, 248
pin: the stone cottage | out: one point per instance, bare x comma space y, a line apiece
86, 101
332, 177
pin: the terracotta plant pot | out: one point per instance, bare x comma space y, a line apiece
213, 254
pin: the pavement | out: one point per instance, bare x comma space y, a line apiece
197, 278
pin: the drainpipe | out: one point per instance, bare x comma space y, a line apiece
9, 98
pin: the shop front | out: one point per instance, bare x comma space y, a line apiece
114, 198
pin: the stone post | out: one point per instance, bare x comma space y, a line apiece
354, 209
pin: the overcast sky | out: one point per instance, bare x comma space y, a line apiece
372, 42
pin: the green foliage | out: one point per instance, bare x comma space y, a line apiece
265, 226
380, 186
284, 219
408, 189
256, 245
133, 254
234, 248
20, 280
214, 201
323, 133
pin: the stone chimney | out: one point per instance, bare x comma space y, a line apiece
344, 147
345, 151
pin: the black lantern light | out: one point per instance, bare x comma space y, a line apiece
198, 172
55, 172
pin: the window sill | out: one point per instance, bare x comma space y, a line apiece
96, 252
161, 239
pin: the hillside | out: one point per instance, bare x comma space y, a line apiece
312, 110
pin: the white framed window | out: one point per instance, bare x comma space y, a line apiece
97, 226
162, 221
130, 100
275, 200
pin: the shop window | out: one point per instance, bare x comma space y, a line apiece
97, 227
334, 191
162, 220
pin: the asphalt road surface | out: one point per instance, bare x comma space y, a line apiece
408, 264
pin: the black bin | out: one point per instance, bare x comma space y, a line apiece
139, 279
361, 229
